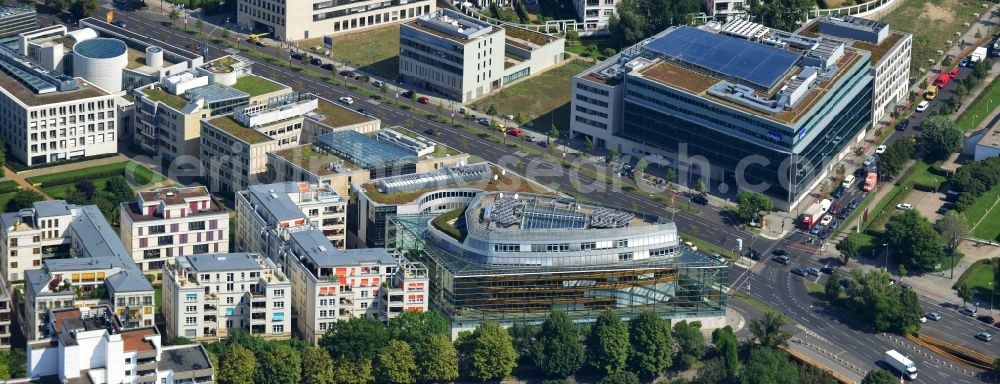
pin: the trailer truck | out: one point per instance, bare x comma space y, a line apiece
901, 364
814, 213
870, 181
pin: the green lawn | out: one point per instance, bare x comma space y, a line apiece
932, 23
580, 47
542, 100
989, 228
985, 103
978, 276
62, 191
927, 175
374, 50
158, 297
705, 247
135, 173
256, 85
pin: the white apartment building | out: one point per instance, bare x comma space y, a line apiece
92, 268
5, 313
168, 114
207, 296
291, 204
30, 235
289, 21
234, 147
170, 222
891, 56
90, 345
50, 117
594, 13
464, 58
725, 10
328, 284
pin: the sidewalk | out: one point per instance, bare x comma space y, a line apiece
73, 166
19, 179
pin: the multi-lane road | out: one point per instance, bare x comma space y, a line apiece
770, 282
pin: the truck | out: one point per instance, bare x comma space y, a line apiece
814, 213
942, 80
901, 364
979, 54
870, 181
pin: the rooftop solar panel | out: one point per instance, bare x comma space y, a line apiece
757, 64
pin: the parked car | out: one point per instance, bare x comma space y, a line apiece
853, 204
346, 73
377, 83
934, 316
837, 193
816, 228
407, 94
423, 100
315, 61
869, 160
835, 224
922, 319
327, 66
699, 199
346, 100
903, 124
119, 24
484, 121
984, 336
543, 144
923, 106
362, 111
826, 220
904, 206
297, 56
529, 138
826, 270
813, 271
986, 319
800, 271
880, 149
971, 312
781, 259
779, 252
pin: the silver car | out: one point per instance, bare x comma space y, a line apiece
934, 316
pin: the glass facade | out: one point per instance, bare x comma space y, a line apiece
682, 285
665, 118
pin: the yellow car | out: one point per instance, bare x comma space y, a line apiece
499, 126
931, 92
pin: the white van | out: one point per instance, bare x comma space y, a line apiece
848, 181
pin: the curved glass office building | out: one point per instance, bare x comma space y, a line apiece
517, 257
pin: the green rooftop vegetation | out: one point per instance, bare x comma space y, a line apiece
222, 64
508, 182
445, 222
251, 136
158, 94
337, 116
256, 85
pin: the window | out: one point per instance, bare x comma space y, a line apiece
506, 247
190, 308
157, 229
626, 256
200, 248
229, 300
196, 226
190, 320
588, 246
165, 240
277, 328
280, 304
279, 293
190, 297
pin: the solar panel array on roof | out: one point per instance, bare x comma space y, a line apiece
757, 64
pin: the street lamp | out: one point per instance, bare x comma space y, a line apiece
886, 246
991, 297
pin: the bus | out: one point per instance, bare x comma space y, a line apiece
870, 181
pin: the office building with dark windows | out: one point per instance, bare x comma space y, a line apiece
756, 109
515, 257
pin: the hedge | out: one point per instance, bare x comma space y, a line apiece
10, 189
74, 179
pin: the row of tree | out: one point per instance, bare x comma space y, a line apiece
107, 198
895, 156
872, 299
974, 179
939, 138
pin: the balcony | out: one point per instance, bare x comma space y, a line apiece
344, 312
258, 306
208, 331
210, 319
211, 308
258, 316
346, 301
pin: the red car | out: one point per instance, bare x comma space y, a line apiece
423, 100
954, 72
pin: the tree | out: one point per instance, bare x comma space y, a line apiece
952, 229
179, 340
607, 344
588, 145
785, 15
901, 271
174, 15
440, 360
652, 345
712, 372
965, 293
609, 52
225, 34
396, 364
523, 337
700, 187
23, 199
767, 330
874, 300
879, 376
613, 155
352, 371
639, 19
553, 133
996, 366
832, 289
850, 246
727, 348
939, 137
491, 111
356, 338
770, 366
623, 377
671, 175
558, 352
317, 366
416, 328
690, 342
237, 365
279, 364
914, 241
492, 354
641, 165
572, 36
750, 204
83, 8
87, 188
